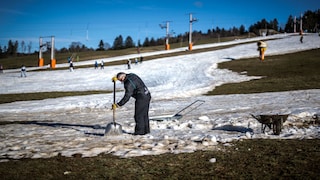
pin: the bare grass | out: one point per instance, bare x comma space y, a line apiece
32, 59
296, 71
245, 159
7, 98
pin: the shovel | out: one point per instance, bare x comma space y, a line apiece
113, 129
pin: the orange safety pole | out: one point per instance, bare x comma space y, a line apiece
262, 47
190, 46
53, 59
53, 63
167, 47
41, 62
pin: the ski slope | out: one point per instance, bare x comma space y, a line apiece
73, 125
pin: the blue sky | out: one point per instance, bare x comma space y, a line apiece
89, 21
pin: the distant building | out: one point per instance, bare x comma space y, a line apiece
266, 32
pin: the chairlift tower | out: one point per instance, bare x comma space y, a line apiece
301, 30
48, 45
191, 20
294, 24
167, 46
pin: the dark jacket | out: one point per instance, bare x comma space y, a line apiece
134, 87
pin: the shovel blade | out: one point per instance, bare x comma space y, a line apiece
113, 129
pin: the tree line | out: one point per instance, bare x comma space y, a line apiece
310, 19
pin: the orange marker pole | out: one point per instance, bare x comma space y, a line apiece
167, 47
190, 46
53, 59
53, 63
41, 62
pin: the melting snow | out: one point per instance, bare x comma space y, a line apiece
76, 125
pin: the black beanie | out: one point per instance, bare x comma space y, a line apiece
118, 75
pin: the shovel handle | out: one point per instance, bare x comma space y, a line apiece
114, 92
114, 101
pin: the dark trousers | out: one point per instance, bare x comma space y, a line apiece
141, 115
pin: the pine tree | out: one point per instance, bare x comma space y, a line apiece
101, 46
129, 42
118, 43
146, 42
